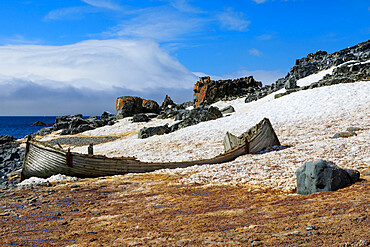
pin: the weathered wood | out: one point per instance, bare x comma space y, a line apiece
43, 160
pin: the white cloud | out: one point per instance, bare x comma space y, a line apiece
52, 77
235, 21
255, 52
259, 1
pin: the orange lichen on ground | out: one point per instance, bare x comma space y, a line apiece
157, 210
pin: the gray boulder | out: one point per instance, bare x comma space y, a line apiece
323, 176
227, 109
140, 118
151, 131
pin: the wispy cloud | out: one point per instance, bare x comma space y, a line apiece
19, 39
82, 71
265, 36
160, 24
78, 12
70, 13
104, 4
259, 1
232, 20
255, 52
184, 6
166, 21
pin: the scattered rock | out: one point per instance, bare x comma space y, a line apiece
151, 131
323, 176
140, 118
187, 117
353, 129
74, 124
344, 134
309, 228
227, 109
6, 138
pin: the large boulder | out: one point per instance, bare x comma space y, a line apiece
128, 106
323, 176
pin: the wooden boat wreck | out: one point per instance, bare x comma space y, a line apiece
43, 160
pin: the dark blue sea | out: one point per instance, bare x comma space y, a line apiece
19, 127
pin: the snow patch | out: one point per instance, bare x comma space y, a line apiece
38, 181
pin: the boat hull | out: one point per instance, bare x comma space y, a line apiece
42, 160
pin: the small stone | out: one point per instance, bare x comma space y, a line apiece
228, 109
352, 129
344, 134
363, 242
75, 186
309, 228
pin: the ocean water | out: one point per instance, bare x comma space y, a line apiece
19, 127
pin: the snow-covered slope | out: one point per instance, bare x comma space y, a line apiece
305, 120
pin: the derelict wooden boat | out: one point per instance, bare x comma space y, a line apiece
43, 160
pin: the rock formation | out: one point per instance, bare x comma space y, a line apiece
128, 106
74, 124
11, 160
207, 91
187, 117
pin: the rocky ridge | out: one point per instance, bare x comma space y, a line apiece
352, 65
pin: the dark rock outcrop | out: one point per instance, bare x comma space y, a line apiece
352, 67
128, 106
74, 124
187, 117
6, 138
323, 176
167, 102
11, 160
207, 91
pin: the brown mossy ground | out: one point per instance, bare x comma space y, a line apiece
156, 210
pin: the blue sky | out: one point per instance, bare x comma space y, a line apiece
65, 57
